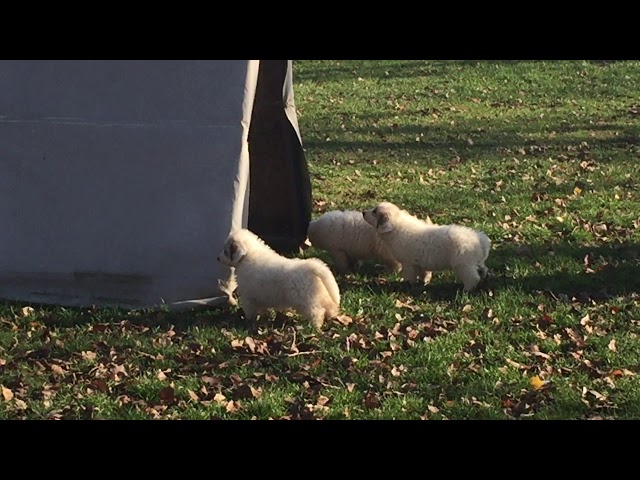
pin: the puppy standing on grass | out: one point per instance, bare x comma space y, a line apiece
421, 247
268, 280
349, 238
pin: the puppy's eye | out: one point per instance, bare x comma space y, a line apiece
375, 211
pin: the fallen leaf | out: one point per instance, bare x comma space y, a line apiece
371, 400
167, 395
322, 400
100, 385
20, 404
536, 382
433, 409
344, 319
2, 362
27, 311
250, 343
244, 391
231, 406
219, 398
7, 394
193, 395
161, 376
467, 308
57, 370
350, 387
612, 345
88, 355
516, 364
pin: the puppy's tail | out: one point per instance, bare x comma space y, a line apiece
327, 278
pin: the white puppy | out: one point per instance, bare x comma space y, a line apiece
268, 280
422, 247
349, 238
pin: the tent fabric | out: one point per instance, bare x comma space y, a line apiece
280, 201
120, 180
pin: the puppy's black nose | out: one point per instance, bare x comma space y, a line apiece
364, 213
218, 258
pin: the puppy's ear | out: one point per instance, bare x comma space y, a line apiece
383, 224
236, 252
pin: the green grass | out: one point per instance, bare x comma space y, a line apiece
542, 156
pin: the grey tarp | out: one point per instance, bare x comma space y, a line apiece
120, 180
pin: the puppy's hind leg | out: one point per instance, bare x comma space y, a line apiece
391, 266
483, 270
409, 273
341, 260
315, 315
468, 275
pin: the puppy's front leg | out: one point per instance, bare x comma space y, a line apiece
251, 310
409, 273
341, 259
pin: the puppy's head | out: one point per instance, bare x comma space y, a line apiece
381, 217
233, 252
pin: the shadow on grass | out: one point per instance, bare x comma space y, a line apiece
444, 141
376, 69
616, 272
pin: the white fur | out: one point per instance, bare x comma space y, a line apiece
349, 239
268, 280
422, 247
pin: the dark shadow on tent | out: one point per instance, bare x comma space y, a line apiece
280, 188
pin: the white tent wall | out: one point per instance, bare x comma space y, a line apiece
120, 180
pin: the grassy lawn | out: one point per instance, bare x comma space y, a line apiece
541, 156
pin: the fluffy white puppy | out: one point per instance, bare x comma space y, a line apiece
266, 280
349, 238
422, 247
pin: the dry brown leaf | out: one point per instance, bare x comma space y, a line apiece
515, 364
344, 319
219, 398
27, 311
433, 409
89, 355
7, 394
350, 387
193, 395
20, 404
250, 343
161, 376
322, 400
2, 362
232, 406
167, 395
612, 345
57, 370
